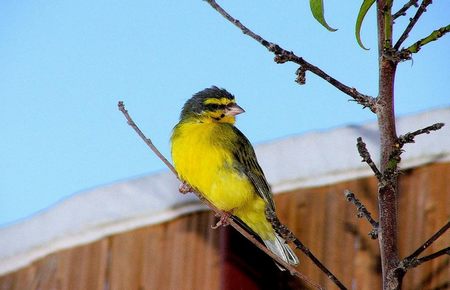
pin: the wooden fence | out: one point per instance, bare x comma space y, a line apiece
186, 253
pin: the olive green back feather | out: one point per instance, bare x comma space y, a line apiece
247, 163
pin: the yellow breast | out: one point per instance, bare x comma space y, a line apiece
202, 156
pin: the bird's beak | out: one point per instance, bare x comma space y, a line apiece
234, 110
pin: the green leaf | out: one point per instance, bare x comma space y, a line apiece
362, 13
317, 11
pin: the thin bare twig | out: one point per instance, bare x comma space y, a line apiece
364, 153
445, 251
235, 225
282, 56
409, 137
146, 140
419, 12
430, 241
395, 157
407, 264
413, 261
402, 11
363, 212
284, 231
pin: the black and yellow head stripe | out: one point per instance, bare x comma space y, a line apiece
217, 101
213, 104
218, 104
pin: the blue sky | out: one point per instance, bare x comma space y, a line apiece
65, 64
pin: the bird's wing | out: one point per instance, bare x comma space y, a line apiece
247, 163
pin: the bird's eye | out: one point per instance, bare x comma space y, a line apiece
213, 107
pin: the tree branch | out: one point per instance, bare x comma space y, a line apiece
363, 212
146, 140
388, 20
387, 191
409, 137
394, 159
413, 21
445, 251
284, 232
412, 261
364, 153
235, 225
402, 11
430, 241
282, 56
405, 265
405, 53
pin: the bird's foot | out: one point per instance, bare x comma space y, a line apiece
185, 188
223, 221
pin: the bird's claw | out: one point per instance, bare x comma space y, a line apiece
223, 221
185, 188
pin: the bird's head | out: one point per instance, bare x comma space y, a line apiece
212, 105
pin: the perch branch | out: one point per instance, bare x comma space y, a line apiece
412, 261
422, 8
363, 212
146, 140
235, 225
402, 11
284, 231
414, 48
282, 56
364, 153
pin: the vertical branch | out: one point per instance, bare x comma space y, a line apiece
387, 193
387, 24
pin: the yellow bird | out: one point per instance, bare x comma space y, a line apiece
216, 159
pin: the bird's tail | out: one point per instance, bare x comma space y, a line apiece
279, 247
